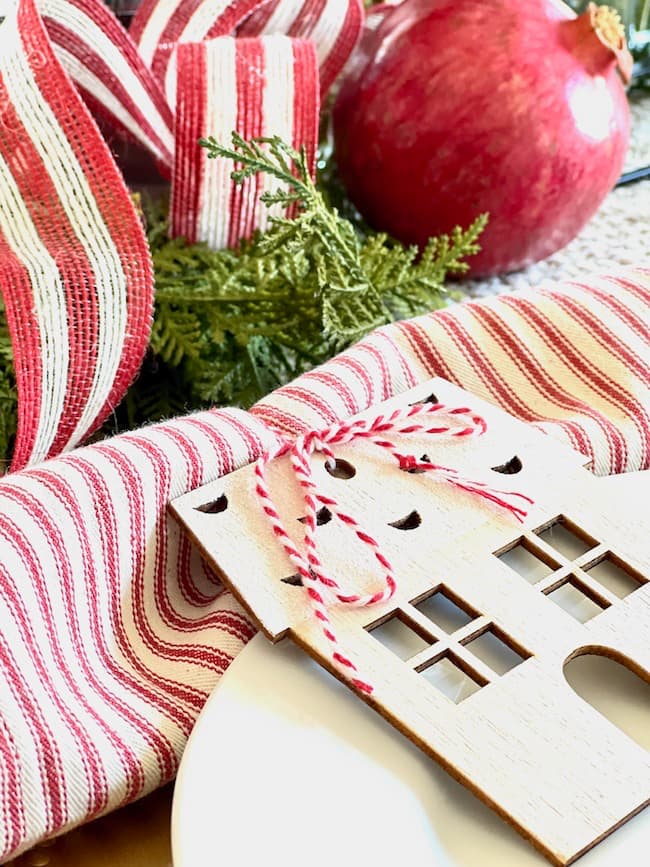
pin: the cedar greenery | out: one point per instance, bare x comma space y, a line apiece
231, 325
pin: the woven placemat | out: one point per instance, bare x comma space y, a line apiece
617, 235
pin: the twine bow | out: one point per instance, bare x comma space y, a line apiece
322, 589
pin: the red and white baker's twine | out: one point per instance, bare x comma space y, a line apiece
309, 565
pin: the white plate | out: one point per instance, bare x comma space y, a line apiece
286, 767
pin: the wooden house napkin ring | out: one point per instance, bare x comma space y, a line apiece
432, 548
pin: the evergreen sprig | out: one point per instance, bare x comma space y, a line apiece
232, 325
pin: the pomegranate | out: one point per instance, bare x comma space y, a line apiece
459, 107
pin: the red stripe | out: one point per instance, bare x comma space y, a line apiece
575, 360
125, 44
604, 335
349, 35
113, 201
306, 100
255, 24
618, 306
70, 40
641, 293
279, 419
67, 496
96, 778
250, 78
231, 17
48, 774
189, 160
31, 176
482, 367
134, 677
132, 481
308, 16
139, 21
204, 654
338, 387
50, 760
12, 797
425, 350
310, 399
539, 379
361, 375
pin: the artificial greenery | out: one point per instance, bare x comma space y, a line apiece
231, 325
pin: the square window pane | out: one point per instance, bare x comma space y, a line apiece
527, 563
446, 611
495, 651
614, 575
398, 636
575, 601
451, 680
567, 538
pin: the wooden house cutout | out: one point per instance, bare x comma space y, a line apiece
516, 735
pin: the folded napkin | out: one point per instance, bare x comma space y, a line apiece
114, 631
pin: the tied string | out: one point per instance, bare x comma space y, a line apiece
322, 589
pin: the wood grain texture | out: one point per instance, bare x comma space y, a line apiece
524, 742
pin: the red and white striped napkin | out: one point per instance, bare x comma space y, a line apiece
114, 632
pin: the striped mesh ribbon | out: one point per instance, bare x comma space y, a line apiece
260, 87
333, 25
103, 61
75, 271
113, 631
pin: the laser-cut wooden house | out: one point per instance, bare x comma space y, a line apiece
517, 736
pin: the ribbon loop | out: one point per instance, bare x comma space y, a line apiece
323, 590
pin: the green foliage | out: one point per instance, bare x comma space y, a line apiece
232, 325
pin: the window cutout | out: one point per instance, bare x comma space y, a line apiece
340, 469
445, 610
615, 576
530, 563
214, 506
573, 598
399, 636
448, 677
566, 538
494, 649
409, 522
514, 465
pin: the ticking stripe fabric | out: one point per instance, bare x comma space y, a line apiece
114, 632
116, 84
573, 359
259, 87
75, 270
